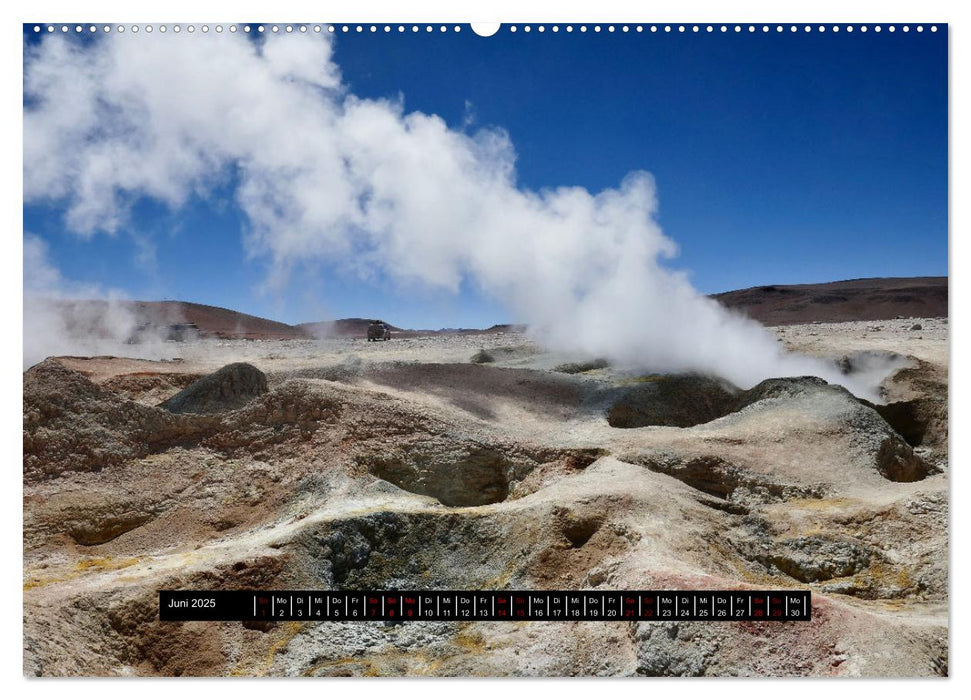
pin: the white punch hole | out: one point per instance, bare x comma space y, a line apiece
485, 28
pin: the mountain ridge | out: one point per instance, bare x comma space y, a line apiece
861, 299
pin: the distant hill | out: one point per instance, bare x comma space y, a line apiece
217, 321
90, 317
872, 299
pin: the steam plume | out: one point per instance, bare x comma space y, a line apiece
62, 317
326, 176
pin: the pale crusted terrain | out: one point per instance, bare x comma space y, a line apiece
404, 465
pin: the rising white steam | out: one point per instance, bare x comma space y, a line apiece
62, 317
323, 175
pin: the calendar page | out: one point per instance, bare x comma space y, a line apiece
446, 349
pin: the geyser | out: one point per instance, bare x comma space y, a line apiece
322, 175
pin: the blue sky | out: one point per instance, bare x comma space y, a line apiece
778, 158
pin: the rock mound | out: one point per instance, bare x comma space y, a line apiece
580, 367
72, 424
676, 400
226, 389
869, 433
827, 409
482, 357
780, 388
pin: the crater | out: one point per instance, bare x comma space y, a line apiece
388, 549
456, 476
729, 484
579, 530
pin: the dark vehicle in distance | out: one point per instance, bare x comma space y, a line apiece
378, 330
174, 332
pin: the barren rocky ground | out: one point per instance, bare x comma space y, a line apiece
347, 464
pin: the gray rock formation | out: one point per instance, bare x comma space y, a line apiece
482, 357
226, 389
675, 400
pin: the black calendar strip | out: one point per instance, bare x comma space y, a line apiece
537, 606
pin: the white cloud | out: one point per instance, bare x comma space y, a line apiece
326, 176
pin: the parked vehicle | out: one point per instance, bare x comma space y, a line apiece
378, 330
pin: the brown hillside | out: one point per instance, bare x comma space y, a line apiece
873, 299
87, 317
217, 321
